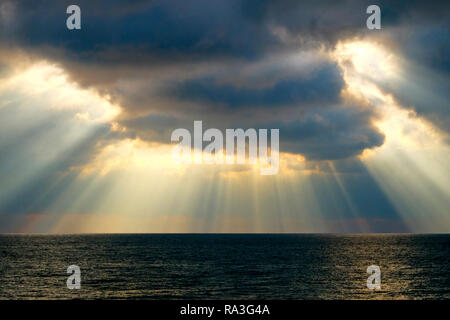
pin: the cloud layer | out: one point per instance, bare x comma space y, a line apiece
231, 64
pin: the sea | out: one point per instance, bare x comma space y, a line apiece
225, 266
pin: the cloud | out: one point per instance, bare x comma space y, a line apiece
423, 85
323, 86
167, 64
330, 134
172, 57
200, 30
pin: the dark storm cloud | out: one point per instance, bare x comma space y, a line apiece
429, 46
170, 62
331, 133
325, 133
322, 87
158, 30
201, 29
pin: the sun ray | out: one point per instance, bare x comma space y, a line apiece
410, 166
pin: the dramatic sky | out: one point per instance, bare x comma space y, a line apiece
86, 115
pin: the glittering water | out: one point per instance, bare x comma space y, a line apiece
225, 266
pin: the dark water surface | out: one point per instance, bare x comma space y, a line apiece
224, 266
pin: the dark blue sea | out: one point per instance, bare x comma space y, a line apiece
238, 266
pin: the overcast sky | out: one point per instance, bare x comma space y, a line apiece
86, 115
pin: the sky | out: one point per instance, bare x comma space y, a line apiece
86, 116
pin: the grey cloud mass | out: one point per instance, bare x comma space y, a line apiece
168, 63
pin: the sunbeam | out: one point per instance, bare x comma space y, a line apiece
412, 165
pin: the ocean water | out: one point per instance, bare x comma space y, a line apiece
236, 266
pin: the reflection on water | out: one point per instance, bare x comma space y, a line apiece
225, 266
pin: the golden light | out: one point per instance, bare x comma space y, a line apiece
410, 166
367, 58
46, 81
